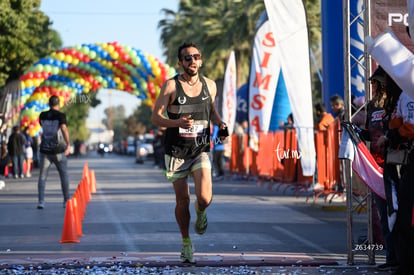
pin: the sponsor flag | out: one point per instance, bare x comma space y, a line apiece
230, 93
264, 74
281, 105
242, 93
288, 23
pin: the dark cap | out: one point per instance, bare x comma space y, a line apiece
379, 75
53, 101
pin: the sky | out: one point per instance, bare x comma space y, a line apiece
128, 22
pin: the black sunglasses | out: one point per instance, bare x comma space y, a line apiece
188, 57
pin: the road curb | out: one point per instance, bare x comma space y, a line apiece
135, 259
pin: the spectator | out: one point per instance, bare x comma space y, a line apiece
325, 119
375, 128
218, 154
158, 144
288, 124
401, 135
4, 160
15, 148
28, 152
337, 105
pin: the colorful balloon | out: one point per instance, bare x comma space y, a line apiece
87, 68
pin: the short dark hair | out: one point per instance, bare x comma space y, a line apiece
337, 100
53, 101
320, 107
184, 46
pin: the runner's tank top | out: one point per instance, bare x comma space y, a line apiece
188, 143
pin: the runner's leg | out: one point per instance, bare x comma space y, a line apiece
182, 211
203, 188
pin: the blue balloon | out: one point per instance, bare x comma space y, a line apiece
57, 63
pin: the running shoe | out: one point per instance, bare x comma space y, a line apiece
201, 223
187, 253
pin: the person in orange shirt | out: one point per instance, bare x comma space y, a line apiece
324, 118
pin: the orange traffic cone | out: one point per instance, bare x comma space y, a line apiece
85, 189
78, 222
86, 173
81, 203
69, 228
93, 181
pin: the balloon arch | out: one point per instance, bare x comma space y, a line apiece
81, 69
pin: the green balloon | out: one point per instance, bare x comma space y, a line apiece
92, 54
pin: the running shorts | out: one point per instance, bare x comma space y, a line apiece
180, 168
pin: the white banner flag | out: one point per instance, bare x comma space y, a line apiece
264, 74
230, 93
288, 23
394, 58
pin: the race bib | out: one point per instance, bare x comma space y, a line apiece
196, 130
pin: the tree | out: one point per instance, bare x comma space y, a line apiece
233, 29
139, 121
118, 117
218, 27
25, 36
222, 26
76, 111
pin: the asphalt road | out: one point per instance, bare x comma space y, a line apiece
130, 219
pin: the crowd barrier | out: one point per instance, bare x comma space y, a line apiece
278, 161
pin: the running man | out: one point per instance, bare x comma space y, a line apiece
188, 99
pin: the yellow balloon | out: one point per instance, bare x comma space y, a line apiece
60, 56
110, 49
114, 55
32, 132
68, 59
81, 81
29, 83
156, 71
37, 82
62, 101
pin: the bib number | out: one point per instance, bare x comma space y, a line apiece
194, 131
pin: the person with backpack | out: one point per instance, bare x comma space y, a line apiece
54, 148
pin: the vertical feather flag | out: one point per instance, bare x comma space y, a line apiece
230, 93
288, 23
264, 75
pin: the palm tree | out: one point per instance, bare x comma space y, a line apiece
222, 26
219, 26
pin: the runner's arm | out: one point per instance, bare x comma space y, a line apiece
164, 99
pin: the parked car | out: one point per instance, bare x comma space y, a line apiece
145, 148
130, 148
